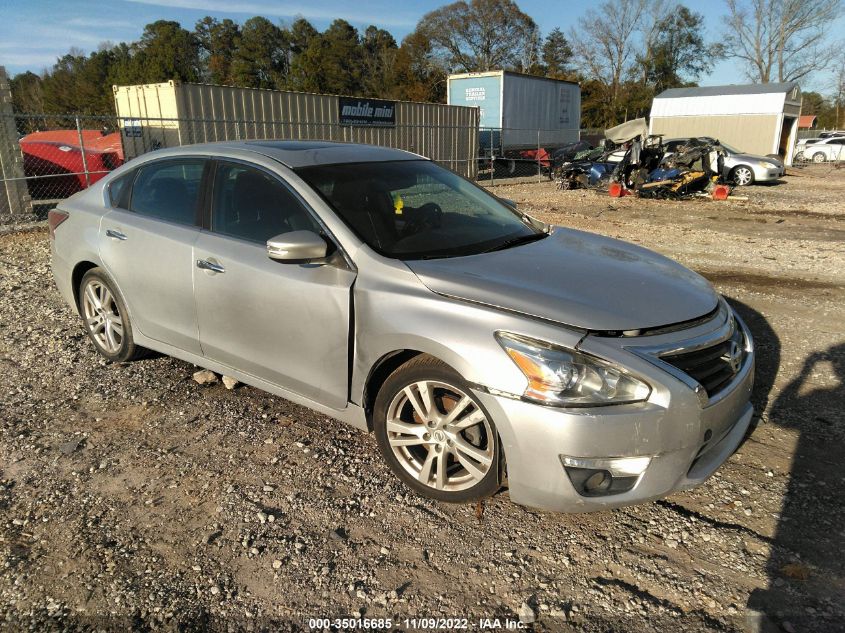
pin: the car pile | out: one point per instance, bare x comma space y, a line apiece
630, 161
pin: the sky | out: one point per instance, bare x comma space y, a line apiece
33, 33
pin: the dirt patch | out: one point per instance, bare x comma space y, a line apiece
767, 282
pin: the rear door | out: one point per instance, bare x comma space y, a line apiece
146, 244
285, 323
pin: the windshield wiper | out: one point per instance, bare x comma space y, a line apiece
515, 241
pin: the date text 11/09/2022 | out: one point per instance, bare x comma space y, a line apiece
423, 623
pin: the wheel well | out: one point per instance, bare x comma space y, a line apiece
380, 372
384, 366
743, 166
76, 278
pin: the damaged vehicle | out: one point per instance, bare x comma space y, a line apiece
482, 347
607, 163
738, 168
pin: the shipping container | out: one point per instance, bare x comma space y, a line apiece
175, 113
529, 112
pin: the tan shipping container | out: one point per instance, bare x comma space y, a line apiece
175, 113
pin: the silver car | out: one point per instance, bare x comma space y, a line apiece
739, 168
483, 348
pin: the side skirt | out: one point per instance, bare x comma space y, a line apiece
353, 414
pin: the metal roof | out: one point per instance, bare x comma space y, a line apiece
733, 89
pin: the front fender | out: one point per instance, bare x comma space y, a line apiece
459, 333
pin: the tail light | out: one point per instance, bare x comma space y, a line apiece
54, 218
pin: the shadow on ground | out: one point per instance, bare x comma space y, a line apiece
806, 566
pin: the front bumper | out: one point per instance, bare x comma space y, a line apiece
687, 442
764, 174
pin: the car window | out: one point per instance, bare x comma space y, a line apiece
254, 205
168, 190
118, 189
417, 209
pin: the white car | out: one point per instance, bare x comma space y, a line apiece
824, 150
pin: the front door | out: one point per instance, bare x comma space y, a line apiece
148, 250
285, 323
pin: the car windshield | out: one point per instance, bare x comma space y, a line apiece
419, 210
731, 150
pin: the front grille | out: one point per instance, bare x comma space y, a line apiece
712, 367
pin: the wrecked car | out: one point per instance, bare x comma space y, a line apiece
738, 168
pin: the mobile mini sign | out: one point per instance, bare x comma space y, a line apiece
372, 112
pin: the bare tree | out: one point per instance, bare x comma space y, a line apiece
839, 90
781, 40
606, 47
652, 21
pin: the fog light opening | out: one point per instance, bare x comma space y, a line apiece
599, 481
597, 477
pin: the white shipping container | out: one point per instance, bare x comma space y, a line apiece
527, 110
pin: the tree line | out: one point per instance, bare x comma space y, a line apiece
622, 52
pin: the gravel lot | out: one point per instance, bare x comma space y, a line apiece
133, 497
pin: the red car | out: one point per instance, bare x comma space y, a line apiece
54, 160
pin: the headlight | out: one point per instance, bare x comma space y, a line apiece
766, 164
564, 377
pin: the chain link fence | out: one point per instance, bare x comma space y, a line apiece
47, 158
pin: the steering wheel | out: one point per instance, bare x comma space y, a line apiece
428, 216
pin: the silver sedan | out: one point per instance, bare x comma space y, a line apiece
483, 348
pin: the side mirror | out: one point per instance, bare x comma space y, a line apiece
296, 246
508, 202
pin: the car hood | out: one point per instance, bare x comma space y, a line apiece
578, 279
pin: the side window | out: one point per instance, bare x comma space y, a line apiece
169, 190
256, 206
118, 190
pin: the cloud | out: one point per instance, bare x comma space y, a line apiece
101, 23
27, 60
277, 9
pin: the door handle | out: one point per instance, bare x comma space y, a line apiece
204, 264
117, 235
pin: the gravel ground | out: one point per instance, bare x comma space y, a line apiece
132, 497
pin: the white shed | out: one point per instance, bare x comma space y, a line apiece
755, 118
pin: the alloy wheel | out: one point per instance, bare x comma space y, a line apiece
743, 176
440, 436
819, 157
102, 316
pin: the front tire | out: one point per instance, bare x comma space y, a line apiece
106, 318
434, 435
742, 176
819, 157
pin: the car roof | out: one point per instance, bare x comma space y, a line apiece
295, 154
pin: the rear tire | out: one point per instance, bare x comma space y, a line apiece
819, 157
106, 318
434, 435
